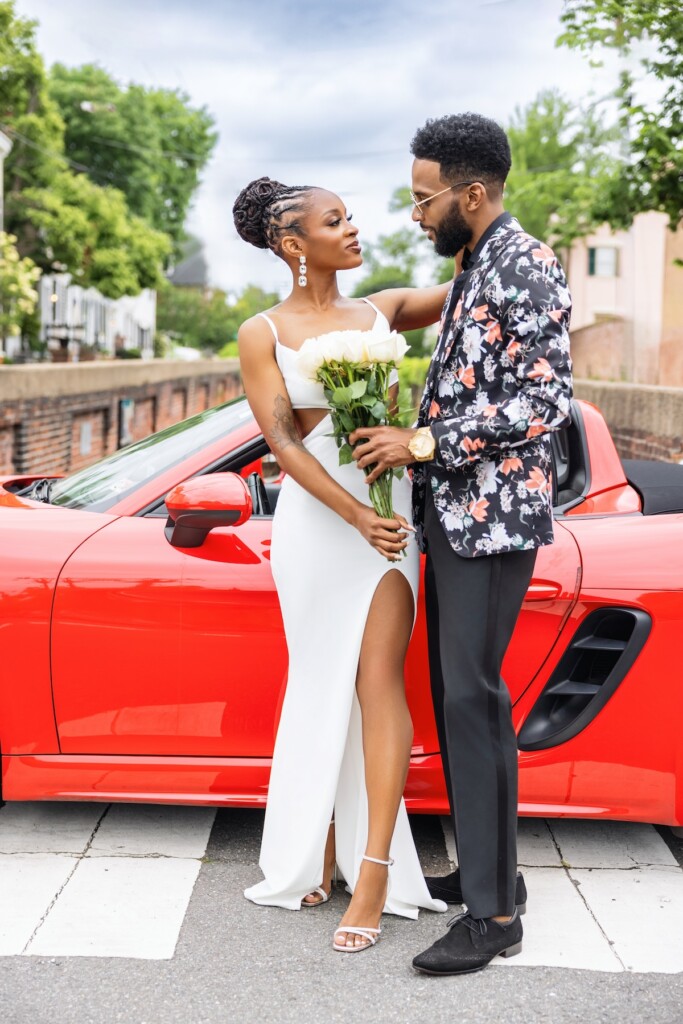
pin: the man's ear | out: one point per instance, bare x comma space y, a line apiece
476, 196
291, 247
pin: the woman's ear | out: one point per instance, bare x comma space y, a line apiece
291, 247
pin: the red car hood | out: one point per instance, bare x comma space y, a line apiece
38, 538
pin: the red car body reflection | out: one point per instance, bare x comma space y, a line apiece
134, 669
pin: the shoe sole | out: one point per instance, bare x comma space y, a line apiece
510, 951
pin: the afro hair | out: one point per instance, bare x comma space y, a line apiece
465, 146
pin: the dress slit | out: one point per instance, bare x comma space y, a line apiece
327, 577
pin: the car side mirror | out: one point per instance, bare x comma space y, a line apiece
202, 503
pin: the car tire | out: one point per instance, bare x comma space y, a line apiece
677, 831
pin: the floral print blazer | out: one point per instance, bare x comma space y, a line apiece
500, 379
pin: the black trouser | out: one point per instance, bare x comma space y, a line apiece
472, 607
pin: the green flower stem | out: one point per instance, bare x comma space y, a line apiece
338, 375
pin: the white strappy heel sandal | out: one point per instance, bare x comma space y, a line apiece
319, 891
371, 934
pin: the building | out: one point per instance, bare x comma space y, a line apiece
627, 291
76, 322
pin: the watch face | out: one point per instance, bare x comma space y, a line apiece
422, 446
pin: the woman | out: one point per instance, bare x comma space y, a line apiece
347, 582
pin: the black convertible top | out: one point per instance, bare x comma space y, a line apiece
659, 484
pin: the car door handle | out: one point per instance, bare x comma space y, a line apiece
542, 590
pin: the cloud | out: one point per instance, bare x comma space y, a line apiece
321, 92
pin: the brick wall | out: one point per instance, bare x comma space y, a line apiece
59, 418
603, 351
646, 421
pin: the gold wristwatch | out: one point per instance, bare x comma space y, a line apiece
422, 445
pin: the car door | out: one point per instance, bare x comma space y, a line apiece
158, 650
549, 599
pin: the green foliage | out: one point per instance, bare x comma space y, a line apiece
390, 276
561, 159
65, 211
422, 250
27, 113
392, 261
89, 231
205, 318
647, 36
230, 350
412, 374
149, 143
18, 296
389, 263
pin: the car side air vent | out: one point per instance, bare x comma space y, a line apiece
602, 651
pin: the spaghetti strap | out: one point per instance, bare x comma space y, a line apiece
271, 325
373, 306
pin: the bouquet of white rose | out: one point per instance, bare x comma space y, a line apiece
354, 368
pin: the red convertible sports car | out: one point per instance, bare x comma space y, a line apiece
143, 655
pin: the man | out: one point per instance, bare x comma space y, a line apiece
498, 383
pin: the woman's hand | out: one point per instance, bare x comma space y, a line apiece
388, 536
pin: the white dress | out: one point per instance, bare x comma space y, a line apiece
326, 575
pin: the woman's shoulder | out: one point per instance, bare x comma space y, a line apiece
383, 301
258, 331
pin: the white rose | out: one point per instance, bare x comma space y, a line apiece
309, 359
389, 348
351, 346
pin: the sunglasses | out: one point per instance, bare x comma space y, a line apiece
419, 203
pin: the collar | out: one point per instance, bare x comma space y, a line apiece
470, 258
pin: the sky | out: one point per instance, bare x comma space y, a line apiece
319, 92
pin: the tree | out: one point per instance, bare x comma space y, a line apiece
390, 262
27, 112
561, 157
77, 226
651, 177
118, 239
149, 143
205, 318
18, 296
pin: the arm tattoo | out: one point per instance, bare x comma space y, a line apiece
284, 431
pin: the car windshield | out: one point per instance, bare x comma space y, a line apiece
101, 485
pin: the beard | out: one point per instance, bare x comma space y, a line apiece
452, 233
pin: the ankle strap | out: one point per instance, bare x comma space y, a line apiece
376, 860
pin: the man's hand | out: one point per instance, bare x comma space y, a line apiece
385, 448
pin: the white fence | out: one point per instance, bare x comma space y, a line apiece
76, 320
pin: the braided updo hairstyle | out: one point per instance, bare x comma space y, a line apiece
266, 209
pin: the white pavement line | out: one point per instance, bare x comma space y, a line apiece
120, 907
449, 838
589, 909
66, 881
558, 929
146, 830
132, 888
610, 844
28, 883
642, 911
56, 828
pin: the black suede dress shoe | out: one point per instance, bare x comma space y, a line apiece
447, 888
470, 944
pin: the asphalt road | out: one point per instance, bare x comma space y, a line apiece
239, 963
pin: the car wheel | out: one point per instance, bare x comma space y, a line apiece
677, 830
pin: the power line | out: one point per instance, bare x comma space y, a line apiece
55, 154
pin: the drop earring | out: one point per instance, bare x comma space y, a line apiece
303, 281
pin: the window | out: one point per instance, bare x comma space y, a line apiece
603, 261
